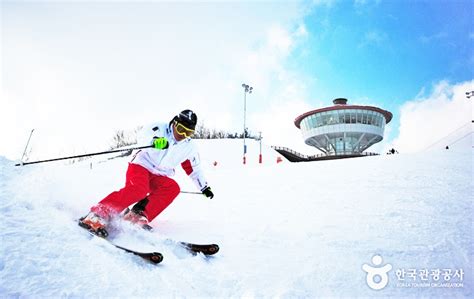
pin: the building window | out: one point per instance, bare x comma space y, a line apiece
347, 117
353, 117
332, 118
325, 118
364, 118
341, 116
317, 121
369, 117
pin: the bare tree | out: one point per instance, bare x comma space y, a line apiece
123, 138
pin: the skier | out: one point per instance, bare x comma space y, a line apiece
148, 184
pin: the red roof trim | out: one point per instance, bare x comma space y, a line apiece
388, 115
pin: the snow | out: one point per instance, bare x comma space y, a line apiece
287, 230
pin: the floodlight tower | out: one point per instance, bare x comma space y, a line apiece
247, 89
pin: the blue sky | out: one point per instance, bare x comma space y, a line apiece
376, 48
89, 68
387, 51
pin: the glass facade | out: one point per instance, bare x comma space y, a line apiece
343, 131
343, 116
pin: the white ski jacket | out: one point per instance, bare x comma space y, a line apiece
163, 162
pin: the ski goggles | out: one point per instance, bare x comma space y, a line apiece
183, 130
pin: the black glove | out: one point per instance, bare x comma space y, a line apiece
207, 192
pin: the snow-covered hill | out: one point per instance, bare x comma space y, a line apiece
287, 230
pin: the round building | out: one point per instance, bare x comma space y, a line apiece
342, 129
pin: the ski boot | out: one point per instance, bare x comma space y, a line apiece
94, 224
136, 215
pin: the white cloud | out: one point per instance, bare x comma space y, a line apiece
279, 39
428, 119
433, 38
327, 3
277, 125
360, 2
373, 37
364, 4
99, 67
301, 31
280, 94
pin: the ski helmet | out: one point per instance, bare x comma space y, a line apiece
188, 118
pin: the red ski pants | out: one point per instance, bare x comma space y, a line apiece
161, 191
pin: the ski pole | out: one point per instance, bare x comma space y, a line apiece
27, 143
190, 192
85, 155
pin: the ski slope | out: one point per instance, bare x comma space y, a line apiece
289, 230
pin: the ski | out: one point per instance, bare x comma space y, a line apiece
153, 257
206, 249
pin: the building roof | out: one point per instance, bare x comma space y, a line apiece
387, 114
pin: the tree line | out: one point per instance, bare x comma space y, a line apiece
123, 138
205, 133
